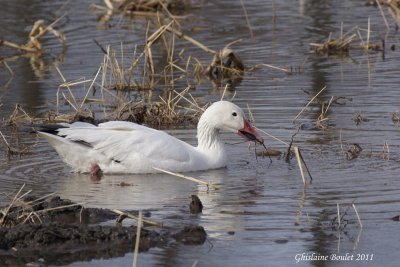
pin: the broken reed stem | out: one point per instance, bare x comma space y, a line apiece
131, 216
5, 141
187, 178
297, 153
247, 19
11, 204
69, 90
252, 119
274, 67
223, 93
383, 14
270, 135
137, 242
61, 207
358, 217
190, 39
90, 87
305, 165
368, 33
309, 102
8, 68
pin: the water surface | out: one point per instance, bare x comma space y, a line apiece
262, 215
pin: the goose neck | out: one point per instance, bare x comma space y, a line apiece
208, 136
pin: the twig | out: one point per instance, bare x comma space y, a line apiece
223, 93
338, 215
309, 102
11, 204
305, 165
252, 119
190, 39
90, 87
131, 216
136, 251
297, 153
274, 67
247, 19
358, 217
383, 14
187, 178
270, 135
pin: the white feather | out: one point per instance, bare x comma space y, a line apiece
125, 147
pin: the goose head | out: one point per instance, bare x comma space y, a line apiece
226, 116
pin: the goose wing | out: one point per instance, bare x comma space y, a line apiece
125, 141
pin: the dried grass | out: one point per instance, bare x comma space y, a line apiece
33, 45
141, 8
345, 42
22, 211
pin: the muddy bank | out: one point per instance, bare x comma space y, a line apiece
62, 232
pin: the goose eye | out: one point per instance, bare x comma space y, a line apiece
234, 114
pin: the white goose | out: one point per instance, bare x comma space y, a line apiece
125, 147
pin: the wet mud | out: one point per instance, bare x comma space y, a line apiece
63, 232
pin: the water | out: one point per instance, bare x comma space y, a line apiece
262, 215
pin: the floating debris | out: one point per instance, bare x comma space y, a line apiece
353, 152
34, 45
358, 119
140, 8
341, 45
334, 46
269, 153
396, 118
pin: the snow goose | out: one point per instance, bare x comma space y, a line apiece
125, 147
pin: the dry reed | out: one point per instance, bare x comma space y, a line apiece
137, 241
342, 44
22, 211
208, 184
131, 216
39, 29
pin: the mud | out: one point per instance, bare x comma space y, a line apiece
73, 233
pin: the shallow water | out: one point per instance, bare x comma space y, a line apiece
262, 215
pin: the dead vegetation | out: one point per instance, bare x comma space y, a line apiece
122, 88
346, 41
33, 45
140, 8
25, 210
34, 49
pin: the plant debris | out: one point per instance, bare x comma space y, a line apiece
269, 153
353, 152
358, 119
341, 45
34, 45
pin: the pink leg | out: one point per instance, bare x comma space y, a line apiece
95, 172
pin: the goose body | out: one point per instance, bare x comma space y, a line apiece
125, 147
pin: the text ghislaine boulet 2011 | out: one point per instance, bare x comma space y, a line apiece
312, 256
